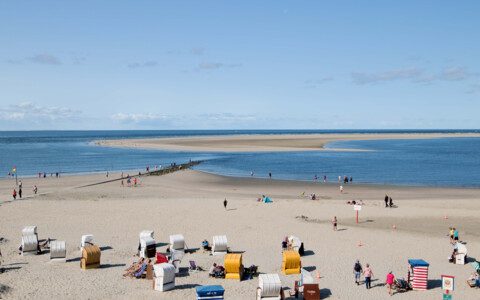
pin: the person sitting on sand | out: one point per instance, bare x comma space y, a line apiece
285, 243
213, 270
206, 246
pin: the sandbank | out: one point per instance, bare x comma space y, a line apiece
267, 143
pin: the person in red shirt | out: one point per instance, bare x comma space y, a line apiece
389, 282
14, 194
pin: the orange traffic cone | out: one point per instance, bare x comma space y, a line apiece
360, 244
318, 274
394, 227
445, 217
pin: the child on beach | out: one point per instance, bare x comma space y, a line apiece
334, 222
341, 189
357, 269
14, 194
389, 282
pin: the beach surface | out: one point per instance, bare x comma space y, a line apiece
266, 143
191, 203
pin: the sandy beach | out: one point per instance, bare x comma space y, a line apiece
266, 143
190, 203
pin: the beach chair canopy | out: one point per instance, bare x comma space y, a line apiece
146, 241
58, 249
146, 233
295, 242
418, 263
219, 243
209, 290
177, 242
461, 248
165, 270
306, 276
87, 240
232, 262
476, 266
270, 285
291, 262
29, 243
29, 230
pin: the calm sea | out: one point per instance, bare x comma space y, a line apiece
432, 162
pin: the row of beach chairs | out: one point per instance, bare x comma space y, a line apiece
58, 249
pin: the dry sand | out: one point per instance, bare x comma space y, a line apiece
266, 143
190, 202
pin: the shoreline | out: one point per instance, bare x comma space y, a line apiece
267, 143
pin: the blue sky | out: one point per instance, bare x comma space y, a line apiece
239, 64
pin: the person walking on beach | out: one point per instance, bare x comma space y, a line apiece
315, 177
451, 233
455, 234
390, 202
386, 200
20, 192
35, 190
135, 181
368, 276
251, 173
14, 194
357, 270
341, 189
334, 222
270, 175
324, 178
389, 282
225, 202
351, 179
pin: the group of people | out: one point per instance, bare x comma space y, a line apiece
345, 179
453, 234
358, 271
388, 201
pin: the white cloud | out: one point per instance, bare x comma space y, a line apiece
137, 118
216, 65
147, 64
197, 51
34, 113
227, 117
455, 74
425, 79
314, 83
46, 59
364, 78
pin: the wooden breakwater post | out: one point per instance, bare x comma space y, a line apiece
172, 169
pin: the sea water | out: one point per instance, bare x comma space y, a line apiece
451, 162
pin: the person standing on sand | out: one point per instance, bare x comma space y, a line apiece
334, 223
368, 276
386, 200
35, 189
339, 178
389, 282
225, 203
270, 175
251, 173
315, 177
135, 181
14, 194
455, 235
390, 202
357, 270
20, 192
341, 189
324, 178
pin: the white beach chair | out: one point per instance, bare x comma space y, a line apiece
307, 277
146, 233
269, 287
461, 254
29, 240
177, 242
58, 251
147, 247
164, 277
219, 245
87, 240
